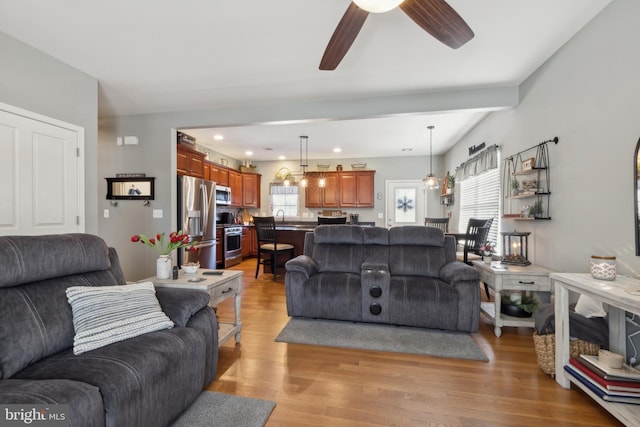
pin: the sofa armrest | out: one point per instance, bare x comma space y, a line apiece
458, 272
181, 304
302, 264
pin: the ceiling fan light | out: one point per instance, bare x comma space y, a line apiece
377, 6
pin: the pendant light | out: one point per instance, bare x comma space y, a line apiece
430, 181
303, 166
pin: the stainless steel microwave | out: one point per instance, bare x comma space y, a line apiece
223, 195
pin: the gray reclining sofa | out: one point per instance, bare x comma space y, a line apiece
147, 380
401, 276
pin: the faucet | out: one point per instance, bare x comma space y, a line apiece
278, 213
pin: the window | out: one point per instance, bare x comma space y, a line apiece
285, 198
480, 198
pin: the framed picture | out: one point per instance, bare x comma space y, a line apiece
528, 164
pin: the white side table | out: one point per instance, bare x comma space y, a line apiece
220, 287
502, 277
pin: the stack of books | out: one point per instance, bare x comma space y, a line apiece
613, 385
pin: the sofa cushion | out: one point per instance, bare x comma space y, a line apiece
36, 319
330, 296
338, 234
423, 302
144, 381
26, 259
103, 315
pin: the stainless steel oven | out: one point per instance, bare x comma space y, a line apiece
232, 245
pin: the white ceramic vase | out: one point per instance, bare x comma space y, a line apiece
163, 267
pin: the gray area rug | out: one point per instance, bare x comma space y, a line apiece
224, 410
369, 336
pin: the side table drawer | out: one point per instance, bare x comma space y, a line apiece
223, 291
525, 282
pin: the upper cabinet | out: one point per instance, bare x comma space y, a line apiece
526, 183
250, 190
189, 162
218, 174
235, 183
342, 189
356, 189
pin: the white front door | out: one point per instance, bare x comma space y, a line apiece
406, 203
41, 182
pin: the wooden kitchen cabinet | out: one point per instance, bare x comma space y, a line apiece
356, 189
250, 190
189, 162
218, 174
249, 242
322, 197
235, 183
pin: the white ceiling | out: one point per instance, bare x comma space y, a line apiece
154, 56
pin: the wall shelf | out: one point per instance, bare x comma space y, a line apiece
526, 184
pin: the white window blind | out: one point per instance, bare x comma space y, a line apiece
480, 198
285, 198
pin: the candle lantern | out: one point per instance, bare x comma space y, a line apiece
515, 247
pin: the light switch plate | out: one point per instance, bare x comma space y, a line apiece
380, 215
106, 213
157, 213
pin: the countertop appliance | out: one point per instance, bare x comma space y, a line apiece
197, 218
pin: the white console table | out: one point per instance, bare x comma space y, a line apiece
219, 287
616, 294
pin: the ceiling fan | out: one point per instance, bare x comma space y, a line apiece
434, 16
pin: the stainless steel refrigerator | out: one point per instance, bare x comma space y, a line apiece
197, 218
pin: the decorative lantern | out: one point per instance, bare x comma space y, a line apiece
515, 247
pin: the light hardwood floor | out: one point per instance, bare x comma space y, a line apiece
326, 386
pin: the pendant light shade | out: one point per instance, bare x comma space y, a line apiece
430, 181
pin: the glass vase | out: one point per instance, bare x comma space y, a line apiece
163, 267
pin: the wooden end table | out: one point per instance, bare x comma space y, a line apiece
219, 287
504, 277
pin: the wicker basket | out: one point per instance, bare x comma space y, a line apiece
546, 351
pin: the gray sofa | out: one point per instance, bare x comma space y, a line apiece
148, 380
402, 276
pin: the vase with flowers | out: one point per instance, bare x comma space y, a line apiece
486, 250
176, 240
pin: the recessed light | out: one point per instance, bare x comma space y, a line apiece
337, 150
218, 137
281, 157
249, 153
407, 149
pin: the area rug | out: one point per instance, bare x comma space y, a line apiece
219, 409
368, 336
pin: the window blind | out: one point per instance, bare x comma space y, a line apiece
480, 198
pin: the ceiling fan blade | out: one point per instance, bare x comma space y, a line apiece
440, 20
342, 38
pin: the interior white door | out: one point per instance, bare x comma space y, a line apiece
41, 180
406, 203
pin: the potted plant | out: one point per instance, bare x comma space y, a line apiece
451, 183
486, 250
515, 186
536, 209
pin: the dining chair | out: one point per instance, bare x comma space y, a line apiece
441, 223
476, 235
268, 246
